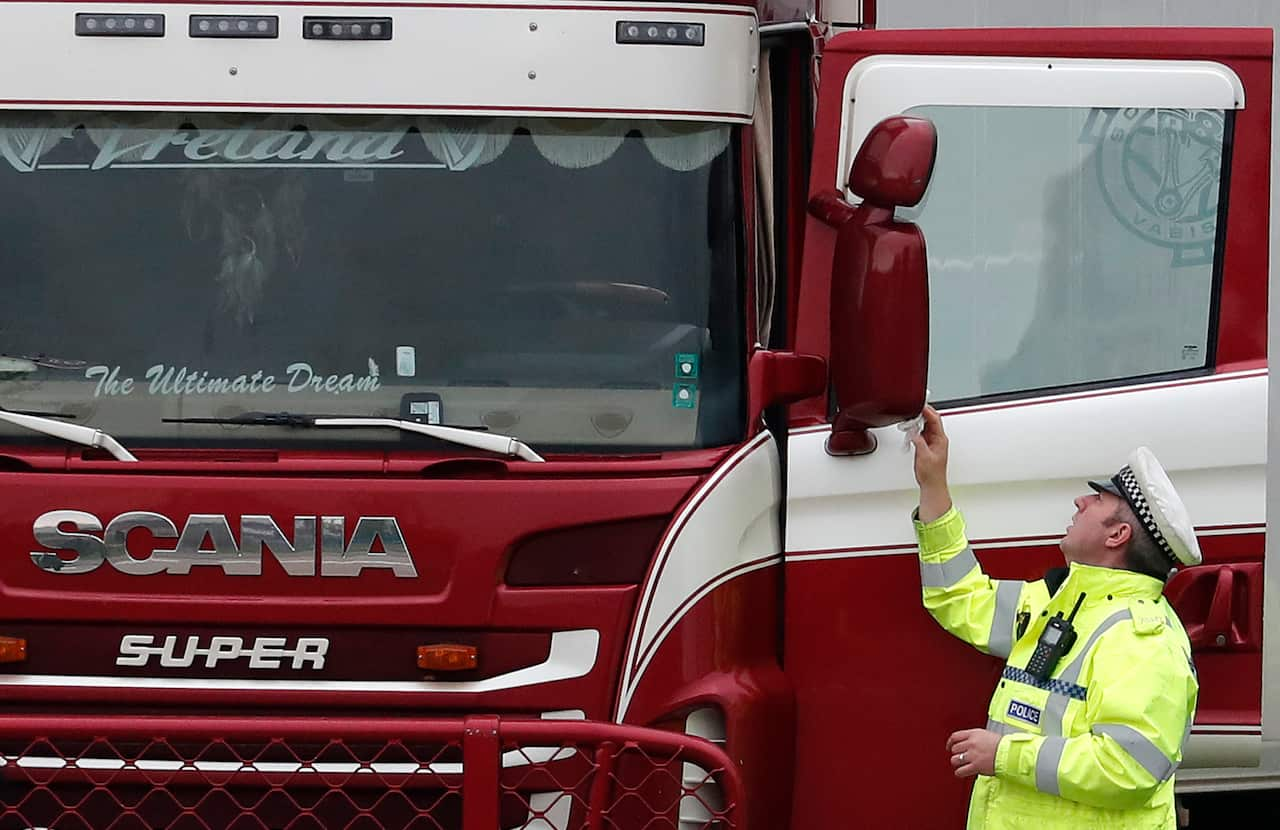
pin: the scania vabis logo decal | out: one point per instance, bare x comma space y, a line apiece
1158, 170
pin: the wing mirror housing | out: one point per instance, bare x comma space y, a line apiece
782, 378
879, 285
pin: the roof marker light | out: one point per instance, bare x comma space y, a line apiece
666, 34
235, 25
346, 28
119, 25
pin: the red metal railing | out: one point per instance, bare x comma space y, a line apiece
478, 773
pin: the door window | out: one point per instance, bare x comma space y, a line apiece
1069, 245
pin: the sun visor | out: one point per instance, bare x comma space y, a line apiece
674, 62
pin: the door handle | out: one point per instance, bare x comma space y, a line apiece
1219, 605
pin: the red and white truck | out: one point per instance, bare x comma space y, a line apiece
474, 415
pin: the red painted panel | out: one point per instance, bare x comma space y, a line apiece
1091, 42
724, 653
458, 531
880, 686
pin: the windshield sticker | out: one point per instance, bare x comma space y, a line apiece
428, 410
686, 365
235, 148
1159, 171
165, 141
406, 361
166, 380
683, 395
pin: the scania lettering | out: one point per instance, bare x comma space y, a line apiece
479, 415
297, 557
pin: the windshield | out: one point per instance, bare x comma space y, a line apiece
573, 283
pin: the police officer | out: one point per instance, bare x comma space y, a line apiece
1098, 692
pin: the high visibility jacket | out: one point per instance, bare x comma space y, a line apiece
1096, 745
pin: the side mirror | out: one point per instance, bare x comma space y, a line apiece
879, 285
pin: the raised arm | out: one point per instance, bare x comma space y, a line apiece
968, 604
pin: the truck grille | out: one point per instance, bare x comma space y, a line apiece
479, 773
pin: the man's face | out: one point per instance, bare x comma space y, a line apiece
1094, 534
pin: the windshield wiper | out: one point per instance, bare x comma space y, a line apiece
47, 424
501, 444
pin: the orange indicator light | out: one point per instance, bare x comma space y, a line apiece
12, 649
446, 658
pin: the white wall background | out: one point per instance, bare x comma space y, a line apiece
921, 14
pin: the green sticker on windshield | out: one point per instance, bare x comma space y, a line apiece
683, 395
686, 365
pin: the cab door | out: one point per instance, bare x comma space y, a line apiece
1096, 230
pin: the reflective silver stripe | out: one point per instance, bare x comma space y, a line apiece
1057, 705
1002, 728
1147, 754
934, 575
1000, 640
1186, 733
1047, 765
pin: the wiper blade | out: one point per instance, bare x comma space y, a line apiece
286, 419
501, 444
47, 424
257, 419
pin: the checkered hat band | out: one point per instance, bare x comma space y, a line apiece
1128, 484
1057, 687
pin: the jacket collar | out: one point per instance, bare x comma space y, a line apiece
1098, 582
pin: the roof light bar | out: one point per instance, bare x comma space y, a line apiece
667, 34
234, 25
346, 28
119, 25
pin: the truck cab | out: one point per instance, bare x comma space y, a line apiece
471, 415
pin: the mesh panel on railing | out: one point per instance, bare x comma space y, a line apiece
65, 782
614, 786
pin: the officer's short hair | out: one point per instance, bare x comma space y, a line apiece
1143, 554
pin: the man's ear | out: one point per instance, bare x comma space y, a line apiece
1118, 536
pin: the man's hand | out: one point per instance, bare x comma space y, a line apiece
973, 752
931, 466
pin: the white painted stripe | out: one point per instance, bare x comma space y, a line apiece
853, 554
671, 623
573, 654
911, 549
727, 528
1119, 388
1227, 531
510, 760
1243, 730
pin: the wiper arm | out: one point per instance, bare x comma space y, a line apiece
501, 444
46, 424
